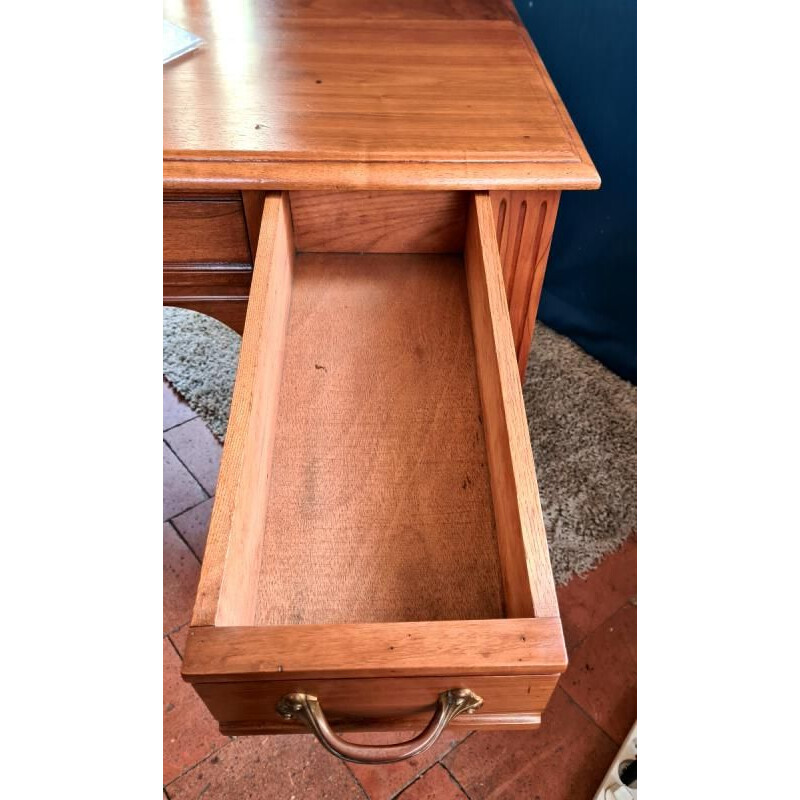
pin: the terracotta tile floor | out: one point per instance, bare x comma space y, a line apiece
590, 713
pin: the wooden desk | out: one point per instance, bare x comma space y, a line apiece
426, 140
341, 95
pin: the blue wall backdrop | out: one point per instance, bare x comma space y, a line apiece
589, 48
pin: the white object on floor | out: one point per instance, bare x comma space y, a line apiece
612, 787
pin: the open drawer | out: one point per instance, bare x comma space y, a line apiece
376, 558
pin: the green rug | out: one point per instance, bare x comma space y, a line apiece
581, 416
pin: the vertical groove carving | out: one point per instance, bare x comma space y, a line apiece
537, 243
501, 220
524, 242
514, 264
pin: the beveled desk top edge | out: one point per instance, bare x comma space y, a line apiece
200, 175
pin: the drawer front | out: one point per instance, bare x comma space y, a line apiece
377, 703
212, 230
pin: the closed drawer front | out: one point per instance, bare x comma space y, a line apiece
205, 230
380, 703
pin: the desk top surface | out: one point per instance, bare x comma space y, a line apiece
356, 94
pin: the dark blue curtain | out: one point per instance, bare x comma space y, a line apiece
589, 48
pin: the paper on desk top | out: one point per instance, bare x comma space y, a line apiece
178, 41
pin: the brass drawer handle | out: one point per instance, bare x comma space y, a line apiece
306, 708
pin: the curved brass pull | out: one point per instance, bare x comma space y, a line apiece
306, 708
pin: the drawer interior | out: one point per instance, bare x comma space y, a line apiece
379, 507
377, 492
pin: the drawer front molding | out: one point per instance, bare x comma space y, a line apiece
218, 290
476, 721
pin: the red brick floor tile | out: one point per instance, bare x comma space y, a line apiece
435, 784
564, 760
268, 768
601, 676
181, 573
181, 490
196, 446
193, 526
178, 638
586, 601
175, 409
190, 732
384, 781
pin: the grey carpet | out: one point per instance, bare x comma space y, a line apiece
582, 420
200, 358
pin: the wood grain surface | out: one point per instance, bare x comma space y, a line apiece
384, 176
253, 207
228, 584
527, 574
354, 699
287, 92
393, 9
374, 650
379, 222
188, 281
205, 230
379, 508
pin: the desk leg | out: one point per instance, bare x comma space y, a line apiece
525, 222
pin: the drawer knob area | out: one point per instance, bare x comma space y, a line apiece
306, 708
